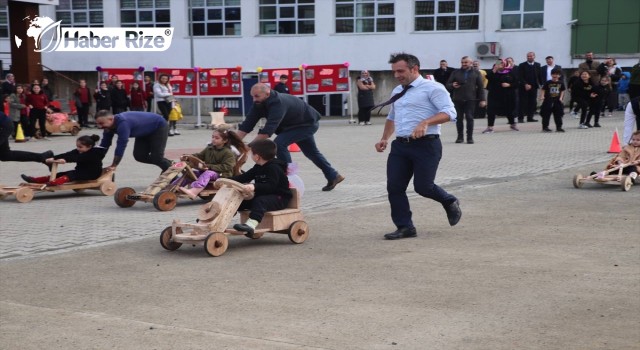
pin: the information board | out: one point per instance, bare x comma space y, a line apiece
220, 81
271, 76
326, 78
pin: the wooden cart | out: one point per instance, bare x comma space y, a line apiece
214, 218
69, 127
25, 191
164, 191
611, 176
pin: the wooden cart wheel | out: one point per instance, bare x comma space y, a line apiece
108, 188
121, 197
75, 131
216, 244
577, 183
626, 184
165, 239
165, 200
209, 211
298, 232
24, 194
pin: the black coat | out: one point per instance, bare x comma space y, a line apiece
528, 74
88, 164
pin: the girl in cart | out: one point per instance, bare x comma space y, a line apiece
219, 160
87, 156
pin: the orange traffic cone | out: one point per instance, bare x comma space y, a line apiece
293, 148
20, 134
615, 143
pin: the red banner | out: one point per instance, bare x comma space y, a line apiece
126, 75
326, 78
220, 81
271, 76
183, 80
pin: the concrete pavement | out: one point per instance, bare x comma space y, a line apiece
534, 263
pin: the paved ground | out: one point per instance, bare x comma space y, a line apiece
534, 264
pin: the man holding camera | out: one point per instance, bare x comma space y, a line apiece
465, 85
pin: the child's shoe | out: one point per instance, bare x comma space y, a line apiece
176, 132
633, 176
582, 126
596, 125
488, 131
547, 130
35, 180
171, 133
559, 130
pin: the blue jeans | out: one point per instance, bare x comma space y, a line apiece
303, 136
418, 159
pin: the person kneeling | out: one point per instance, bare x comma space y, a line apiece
270, 187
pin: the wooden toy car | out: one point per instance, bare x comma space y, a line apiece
163, 192
25, 191
69, 127
607, 177
214, 218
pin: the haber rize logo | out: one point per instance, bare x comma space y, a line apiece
51, 36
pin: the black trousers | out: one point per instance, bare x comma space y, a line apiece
149, 102
465, 111
594, 111
7, 155
528, 103
150, 149
164, 108
262, 204
552, 107
83, 115
38, 116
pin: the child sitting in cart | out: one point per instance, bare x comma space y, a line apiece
55, 116
88, 157
270, 187
219, 160
629, 154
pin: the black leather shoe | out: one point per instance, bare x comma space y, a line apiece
404, 232
453, 212
520, 120
470, 141
532, 120
46, 155
244, 228
459, 140
332, 184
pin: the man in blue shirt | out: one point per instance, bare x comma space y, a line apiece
419, 107
149, 129
294, 121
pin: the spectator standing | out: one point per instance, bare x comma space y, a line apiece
584, 90
148, 89
441, 75
481, 112
365, 97
590, 66
9, 84
502, 91
282, 87
419, 107
623, 90
545, 71
529, 78
20, 99
465, 85
37, 102
46, 88
82, 98
163, 94
138, 98
573, 87
609, 69
634, 81
552, 95
119, 98
103, 97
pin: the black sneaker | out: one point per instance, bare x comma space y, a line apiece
596, 125
332, 184
453, 212
470, 141
244, 228
459, 140
546, 130
560, 130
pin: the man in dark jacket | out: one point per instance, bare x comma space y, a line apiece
442, 74
294, 121
545, 71
281, 87
465, 85
529, 76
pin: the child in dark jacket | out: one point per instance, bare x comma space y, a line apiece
119, 98
270, 187
103, 97
599, 94
87, 156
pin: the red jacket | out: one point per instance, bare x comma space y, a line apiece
38, 101
138, 98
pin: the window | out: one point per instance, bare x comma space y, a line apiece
145, 13
436, 15
215, 18
518, 14
365, 16
4, 19
287, 17
80, 13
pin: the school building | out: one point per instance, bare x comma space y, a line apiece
290, 33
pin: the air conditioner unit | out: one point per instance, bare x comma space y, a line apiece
489, 49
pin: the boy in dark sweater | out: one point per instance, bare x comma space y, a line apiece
270, 186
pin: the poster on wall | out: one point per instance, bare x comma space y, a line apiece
271, 76
126, 75
183, 81
326, 78
220, 81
